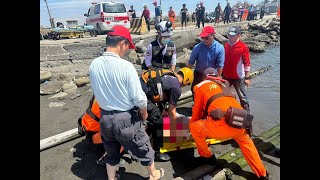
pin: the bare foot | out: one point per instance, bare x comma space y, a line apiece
158, 174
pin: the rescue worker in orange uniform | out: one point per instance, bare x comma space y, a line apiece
172, 17
206, 127
89, 122
89, 125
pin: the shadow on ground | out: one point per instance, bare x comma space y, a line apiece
86, 155
86, 167
263, 148
237, 170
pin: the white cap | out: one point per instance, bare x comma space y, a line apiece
164, 30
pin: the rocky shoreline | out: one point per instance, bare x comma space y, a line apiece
57, 79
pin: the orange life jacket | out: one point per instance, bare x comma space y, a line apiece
90, 121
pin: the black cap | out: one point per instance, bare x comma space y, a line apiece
234, 30
209, 71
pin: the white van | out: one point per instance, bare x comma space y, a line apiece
104, 15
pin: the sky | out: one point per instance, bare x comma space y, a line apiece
75, 9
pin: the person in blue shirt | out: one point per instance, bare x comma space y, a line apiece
251, 12
207, 54
157, 13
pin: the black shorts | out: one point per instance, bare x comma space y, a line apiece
183, 19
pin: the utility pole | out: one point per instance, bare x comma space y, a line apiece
51, 20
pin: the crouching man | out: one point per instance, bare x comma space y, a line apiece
217, 114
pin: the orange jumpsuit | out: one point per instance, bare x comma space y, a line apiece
208, 128
92, 125
172, 16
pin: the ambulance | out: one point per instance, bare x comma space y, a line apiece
104, 15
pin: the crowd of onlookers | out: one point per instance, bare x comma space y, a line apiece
199, 16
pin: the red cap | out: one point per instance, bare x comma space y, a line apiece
206, 31
155, 2
123, 32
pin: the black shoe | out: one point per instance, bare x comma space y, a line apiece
161, 157
211, 160
265, 177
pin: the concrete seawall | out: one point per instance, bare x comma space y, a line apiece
89, 48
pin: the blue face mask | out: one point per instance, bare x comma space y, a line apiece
165, 40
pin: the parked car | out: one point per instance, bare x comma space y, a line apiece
104, 15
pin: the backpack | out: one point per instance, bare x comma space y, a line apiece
152, 78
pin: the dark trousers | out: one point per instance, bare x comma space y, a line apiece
184, 20
148, 24
226, 18
216, 18
198, 77
155, 121
125, 129
155, 125
200, 19
239, 86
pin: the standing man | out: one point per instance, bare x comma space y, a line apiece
132, 12
251, 12
146, 15
208, 53
193, 17
172, 17
236, 68
183, 13
157, 13
241, 11
217, 12
227, 13
261, 12
197, 11
161, 53
201, 11
214, 125
123, 112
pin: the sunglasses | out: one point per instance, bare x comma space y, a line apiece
206, 38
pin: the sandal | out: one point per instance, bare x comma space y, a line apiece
161, 173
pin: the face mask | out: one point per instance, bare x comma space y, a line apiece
165, 40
